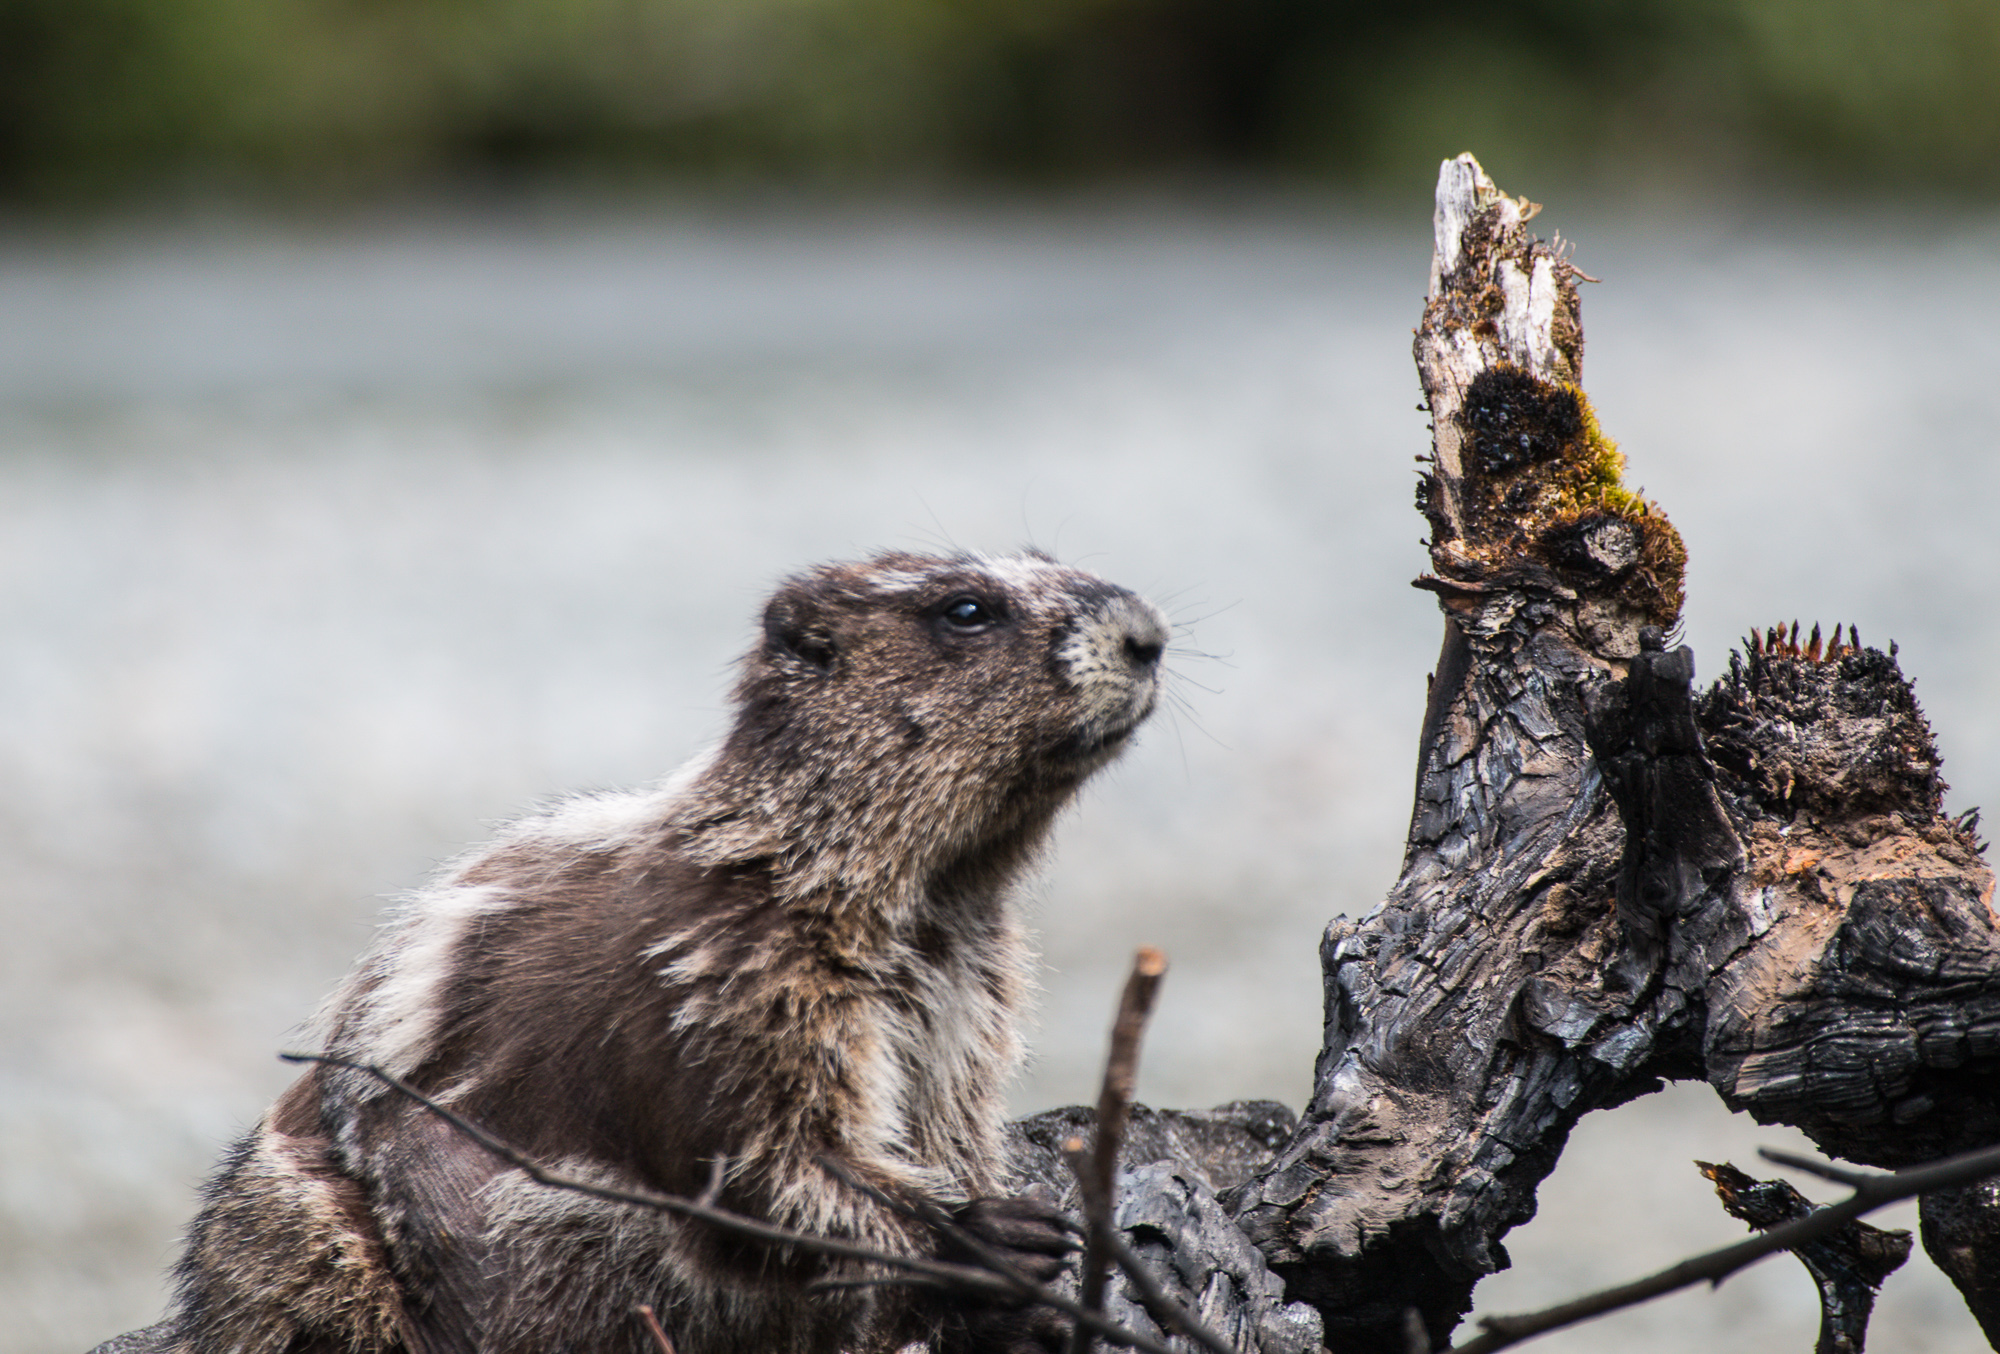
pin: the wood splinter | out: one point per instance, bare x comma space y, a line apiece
1847, 1265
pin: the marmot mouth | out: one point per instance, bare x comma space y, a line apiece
1103, 740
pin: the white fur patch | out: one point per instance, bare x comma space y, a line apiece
601, 821
892, 581
592, 822
399, 1016
1019, 570
401, 984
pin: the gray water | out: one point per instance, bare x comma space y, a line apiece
323, 549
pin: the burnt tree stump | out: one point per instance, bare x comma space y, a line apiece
1611, 880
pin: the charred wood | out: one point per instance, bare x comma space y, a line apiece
1847, 1267
1961, 1232
1175, 1169
1609, 881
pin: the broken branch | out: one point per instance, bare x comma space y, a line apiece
1096, 1179
1870, 1193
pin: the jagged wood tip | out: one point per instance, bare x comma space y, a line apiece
1523, 486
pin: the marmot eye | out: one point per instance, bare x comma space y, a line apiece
968, 613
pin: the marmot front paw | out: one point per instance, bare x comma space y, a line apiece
1033, 1236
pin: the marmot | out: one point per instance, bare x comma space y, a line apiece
801, 944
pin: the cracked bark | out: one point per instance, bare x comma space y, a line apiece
1608, 880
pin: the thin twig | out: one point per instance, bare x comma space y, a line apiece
1870, 1193
963, 1278
657, 1331
1114, 1102
1825, 1170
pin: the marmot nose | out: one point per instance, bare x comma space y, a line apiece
1143, 652
1145, 630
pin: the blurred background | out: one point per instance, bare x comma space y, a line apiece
405, 407
348, 96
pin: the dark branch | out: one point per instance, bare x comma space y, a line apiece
1825, 1170
1608, 881
1870, 1193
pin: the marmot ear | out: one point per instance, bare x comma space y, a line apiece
793, 627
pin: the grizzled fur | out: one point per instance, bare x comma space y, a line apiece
800, 945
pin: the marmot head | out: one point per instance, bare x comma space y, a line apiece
910, 715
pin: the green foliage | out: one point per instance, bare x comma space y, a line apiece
1908, 88
104, 95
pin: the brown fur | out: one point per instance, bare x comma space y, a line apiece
803, 947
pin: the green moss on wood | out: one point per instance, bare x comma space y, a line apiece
1542, 480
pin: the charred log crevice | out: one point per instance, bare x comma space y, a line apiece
1679, 844
1176, 1169
1224, 1146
